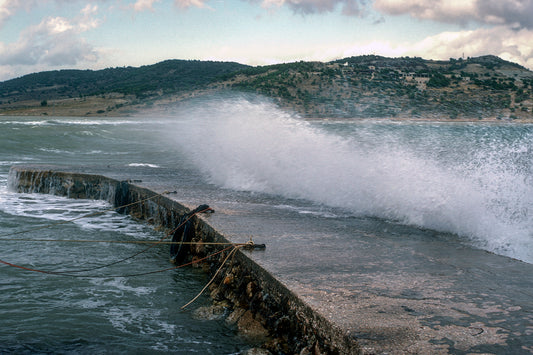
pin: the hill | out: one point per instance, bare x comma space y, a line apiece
374, 86
107, 91
363, 86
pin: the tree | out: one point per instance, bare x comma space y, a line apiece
438, 80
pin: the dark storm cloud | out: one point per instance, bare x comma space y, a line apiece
513, 13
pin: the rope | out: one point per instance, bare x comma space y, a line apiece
179, 266
135, 254
74, 273
90, 215
250, 243
213, 278
109, 276
115, 241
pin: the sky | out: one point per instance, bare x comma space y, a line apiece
39, 35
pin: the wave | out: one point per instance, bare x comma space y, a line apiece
478, 186
80, 152
69, 122
51, 208
144, 165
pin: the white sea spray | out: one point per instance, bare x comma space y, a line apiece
474, 181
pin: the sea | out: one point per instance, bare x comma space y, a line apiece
470, 180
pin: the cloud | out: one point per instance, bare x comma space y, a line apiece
306, 7
512, 45
5, 12
9, 7
515, 13
141, 5
184, 4
509, 44
54, 41
89, 10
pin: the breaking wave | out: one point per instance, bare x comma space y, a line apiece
468, 180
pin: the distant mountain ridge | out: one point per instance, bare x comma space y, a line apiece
168, 76
362, 86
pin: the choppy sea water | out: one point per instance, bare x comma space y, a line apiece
100, 311
474, 180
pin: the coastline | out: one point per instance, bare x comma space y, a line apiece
118, 105
494, 120
98, 107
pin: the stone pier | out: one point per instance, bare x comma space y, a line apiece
264, 310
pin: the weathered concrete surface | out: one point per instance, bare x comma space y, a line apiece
396, 291
391, 291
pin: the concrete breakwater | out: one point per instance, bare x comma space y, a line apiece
259, 304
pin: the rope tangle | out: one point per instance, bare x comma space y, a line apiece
184, 229
74, 273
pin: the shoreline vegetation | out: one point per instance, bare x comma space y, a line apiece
487, 89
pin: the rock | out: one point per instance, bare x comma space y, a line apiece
215, 311
317, 350
216, 294
252, 328
228, 279
234, 317
250, 289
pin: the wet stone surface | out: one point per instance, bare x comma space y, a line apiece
394, 290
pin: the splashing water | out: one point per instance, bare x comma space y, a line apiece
474, 180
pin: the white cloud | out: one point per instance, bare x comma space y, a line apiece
141, 5
184, 4
9, 7
89, 10
87, 21
54, 41
511, 45
5, 11
428, 9
56, 25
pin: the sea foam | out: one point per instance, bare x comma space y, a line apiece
481, 190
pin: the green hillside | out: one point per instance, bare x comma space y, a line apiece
364, 86
166, 77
